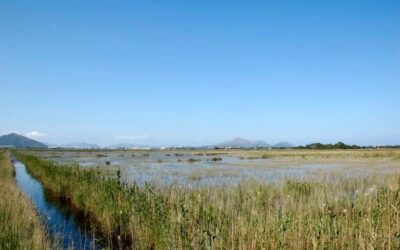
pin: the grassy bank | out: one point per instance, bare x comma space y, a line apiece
348, 213
20, 226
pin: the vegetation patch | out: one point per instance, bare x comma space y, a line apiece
192, 160
216, 159
20, 224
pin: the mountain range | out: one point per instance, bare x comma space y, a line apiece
283, 144
19, 141
127, 146
239, 142
77, 145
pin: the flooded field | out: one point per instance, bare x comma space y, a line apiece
228, 199
228, 167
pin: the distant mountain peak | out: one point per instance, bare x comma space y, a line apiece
81, 145
239, 142
19, 141
126, 146
283, 144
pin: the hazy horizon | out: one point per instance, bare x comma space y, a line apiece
116, 141
199, 73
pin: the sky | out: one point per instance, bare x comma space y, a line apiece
201, 72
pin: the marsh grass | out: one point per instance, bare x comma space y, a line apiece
297, 153
348, 213
215, 159
192, 160
20, 225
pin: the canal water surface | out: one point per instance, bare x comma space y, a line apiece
61, 222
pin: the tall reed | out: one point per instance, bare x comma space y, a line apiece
20, 225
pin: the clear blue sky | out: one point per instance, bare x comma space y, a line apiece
199, 72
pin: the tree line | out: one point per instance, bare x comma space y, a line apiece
341, 145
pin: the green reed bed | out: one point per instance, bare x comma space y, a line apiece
20, 225
347, 213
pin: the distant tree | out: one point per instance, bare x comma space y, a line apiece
338, 145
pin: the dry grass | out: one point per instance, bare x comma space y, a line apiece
20, 225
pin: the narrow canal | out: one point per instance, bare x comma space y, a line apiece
63, 225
